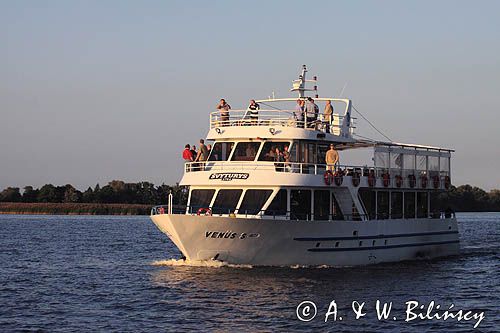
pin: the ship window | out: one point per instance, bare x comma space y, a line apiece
226, 201
200, 199
221, 151
253, 201
245, 151
269, 149
382, 204
368, 198
322, 149
421, 204
278, 205
321, 204
397, 205
300, 204
410, 205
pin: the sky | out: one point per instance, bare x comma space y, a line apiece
92, 91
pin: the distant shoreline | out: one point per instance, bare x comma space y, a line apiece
25, 208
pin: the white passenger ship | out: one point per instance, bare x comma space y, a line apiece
246, 208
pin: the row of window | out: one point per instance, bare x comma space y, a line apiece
314, 204
253, 201
300, 151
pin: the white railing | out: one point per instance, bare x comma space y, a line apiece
393, 177
286, 118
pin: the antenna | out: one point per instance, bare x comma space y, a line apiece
300, 84
345, 85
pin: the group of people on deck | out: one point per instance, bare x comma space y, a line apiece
190, 154
306, 112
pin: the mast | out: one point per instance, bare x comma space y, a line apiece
300, 84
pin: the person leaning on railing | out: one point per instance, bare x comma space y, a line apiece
328, 115
331, 158
299, 113
187, 155
254, 111
224, 108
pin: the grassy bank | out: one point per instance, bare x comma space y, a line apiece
73, 208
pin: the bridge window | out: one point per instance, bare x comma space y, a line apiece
221, 151
278, 205
300, 204
253, 201
200, 199
245, 151
269, 149
226, 201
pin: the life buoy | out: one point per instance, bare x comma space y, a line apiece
435, 181
447, 182
338, 177
161, 210
204, 211
423, 181
412, 180
386, 178
355, 179
399, 180
371, 178
328, 176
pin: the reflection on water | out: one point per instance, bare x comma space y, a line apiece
114, 274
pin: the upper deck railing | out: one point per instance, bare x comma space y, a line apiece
285, 118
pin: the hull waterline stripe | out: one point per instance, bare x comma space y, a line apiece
337, 249
318, 239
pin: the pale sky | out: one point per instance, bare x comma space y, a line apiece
92, 91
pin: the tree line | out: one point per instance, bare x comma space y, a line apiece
115, 192
464, 198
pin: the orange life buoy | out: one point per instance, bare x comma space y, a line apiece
355, 179
423, 181
399, 180
435, 181
371, 178
161, 210
412, 180
338, 177
386, 177
447, 182
204, 211
328, 176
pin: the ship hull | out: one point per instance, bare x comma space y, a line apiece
269, 242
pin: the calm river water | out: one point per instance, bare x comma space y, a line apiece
99, 273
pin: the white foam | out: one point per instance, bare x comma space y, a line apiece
197, 263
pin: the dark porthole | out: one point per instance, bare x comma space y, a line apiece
355, 233
317, 244
385, 242
373, 243
337, 244
360, 243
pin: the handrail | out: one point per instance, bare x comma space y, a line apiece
306, 168
286, 118
288, 215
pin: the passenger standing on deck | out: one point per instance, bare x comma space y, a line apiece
312, 111
278, 157
328, 115
224, 108
332, 157
202, 152
254, 111
187, 155
299, 113
194, 152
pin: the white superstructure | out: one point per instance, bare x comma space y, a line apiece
247, 207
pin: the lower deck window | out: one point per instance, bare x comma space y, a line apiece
253, 201
200, 199
300, 204
278, 205
321, 204
226, 201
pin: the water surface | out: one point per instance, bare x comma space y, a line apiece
89, 273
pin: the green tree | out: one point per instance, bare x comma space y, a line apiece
10, 194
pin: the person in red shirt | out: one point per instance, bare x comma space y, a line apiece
187, 155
